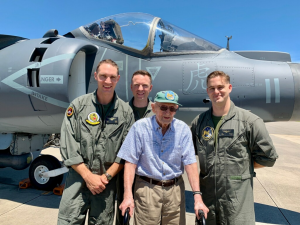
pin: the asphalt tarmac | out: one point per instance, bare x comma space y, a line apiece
276, 189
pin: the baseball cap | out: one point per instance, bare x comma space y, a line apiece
167, 97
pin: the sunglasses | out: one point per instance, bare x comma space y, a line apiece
165, 108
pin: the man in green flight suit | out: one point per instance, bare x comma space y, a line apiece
231, 142
94, 127
141, 86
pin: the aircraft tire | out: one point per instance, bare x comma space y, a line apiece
44, 163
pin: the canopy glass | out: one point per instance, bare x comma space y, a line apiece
140, 31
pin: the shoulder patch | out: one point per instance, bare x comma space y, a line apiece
70, 111
207, 133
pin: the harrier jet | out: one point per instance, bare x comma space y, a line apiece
40, 77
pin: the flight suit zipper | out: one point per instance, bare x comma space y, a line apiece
85, 126
116, 130
237, 138
215, 158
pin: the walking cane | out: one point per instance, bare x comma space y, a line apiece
201, 221
126, 217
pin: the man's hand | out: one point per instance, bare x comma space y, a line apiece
95, 183
127, 202
200, 205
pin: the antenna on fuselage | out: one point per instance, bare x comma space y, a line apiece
228, 38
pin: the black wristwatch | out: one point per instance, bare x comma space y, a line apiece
197, 193
108, 176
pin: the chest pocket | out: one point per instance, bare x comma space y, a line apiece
238, 148
238, 156
113, 143
86, 143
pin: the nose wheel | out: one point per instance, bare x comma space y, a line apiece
43, 164
38, 174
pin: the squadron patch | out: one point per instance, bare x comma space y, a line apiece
93, 118
70, 112
207, 133
170, 95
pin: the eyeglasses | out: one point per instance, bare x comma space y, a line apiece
165, 108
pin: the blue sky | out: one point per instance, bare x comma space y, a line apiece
269, 25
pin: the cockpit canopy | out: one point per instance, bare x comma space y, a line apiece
141, 31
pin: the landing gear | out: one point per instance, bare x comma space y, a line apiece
43, 164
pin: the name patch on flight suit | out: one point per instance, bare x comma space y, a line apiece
226, 133
111, 120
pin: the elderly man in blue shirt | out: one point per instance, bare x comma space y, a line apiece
156, 150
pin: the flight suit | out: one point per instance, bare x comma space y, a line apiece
147, 114
94, 142
137, 116
226, 172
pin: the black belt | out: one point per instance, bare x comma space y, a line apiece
164, 183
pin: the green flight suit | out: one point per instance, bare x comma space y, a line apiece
96, 144
226, 173
148, 113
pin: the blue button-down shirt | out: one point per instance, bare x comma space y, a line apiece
158, 156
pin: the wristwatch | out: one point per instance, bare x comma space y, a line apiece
108, 176
197, 193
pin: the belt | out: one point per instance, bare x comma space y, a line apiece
164, 183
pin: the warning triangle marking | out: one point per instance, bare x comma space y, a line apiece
153, 71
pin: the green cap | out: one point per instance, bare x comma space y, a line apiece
167, 97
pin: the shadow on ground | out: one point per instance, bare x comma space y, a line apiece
263, 213
9, 190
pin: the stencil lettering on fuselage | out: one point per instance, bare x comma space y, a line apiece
51, 79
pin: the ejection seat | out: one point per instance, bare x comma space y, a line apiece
111, 30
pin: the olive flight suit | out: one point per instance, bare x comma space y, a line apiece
148, 112
226, 172
137, 116
91, 137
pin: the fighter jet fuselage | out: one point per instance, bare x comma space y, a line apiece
40, 77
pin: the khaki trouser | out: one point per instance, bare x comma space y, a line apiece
159, 205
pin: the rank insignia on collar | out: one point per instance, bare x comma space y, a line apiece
207, 133
93, 118
70, 112
111, 120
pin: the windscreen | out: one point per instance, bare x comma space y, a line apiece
170, 38
128, 29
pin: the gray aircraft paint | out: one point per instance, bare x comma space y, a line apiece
153, 71
10, 80
185, 73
